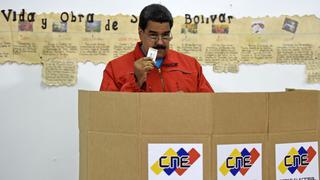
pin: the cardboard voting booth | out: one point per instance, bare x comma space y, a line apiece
196, 136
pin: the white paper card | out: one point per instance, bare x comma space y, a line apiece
239, 161
297, 161
175, 162
152, 53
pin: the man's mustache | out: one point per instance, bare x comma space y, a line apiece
159, 47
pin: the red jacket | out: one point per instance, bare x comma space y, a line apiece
178, 72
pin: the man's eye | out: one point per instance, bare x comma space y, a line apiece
153, 36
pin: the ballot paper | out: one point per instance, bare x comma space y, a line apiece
152, 53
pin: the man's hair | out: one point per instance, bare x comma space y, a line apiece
155, 12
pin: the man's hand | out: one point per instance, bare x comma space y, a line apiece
141, 67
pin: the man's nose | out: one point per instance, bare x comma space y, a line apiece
160, 40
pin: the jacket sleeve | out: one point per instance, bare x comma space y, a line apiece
125, 83
203, 84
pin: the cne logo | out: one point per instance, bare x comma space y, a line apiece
178, 162
297, 160
239, 162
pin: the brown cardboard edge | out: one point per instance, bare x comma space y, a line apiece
319, 117
83, 166
172, 113
83, 115
265, 123
118, 151
139, 125
295, 93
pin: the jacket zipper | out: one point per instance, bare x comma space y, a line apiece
161, 79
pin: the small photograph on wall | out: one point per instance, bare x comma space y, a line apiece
257, 27
290, 25
94, 26
25, 26
220, 29
189, 28
59, 27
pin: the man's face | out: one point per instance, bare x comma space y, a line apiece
156, 35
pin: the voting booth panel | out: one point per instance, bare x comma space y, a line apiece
195, 136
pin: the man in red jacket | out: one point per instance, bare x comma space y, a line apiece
171, 72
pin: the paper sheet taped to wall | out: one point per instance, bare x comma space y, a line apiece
57, 72
265, 40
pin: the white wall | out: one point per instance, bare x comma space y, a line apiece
39, 124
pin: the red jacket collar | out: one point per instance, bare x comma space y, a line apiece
169, 60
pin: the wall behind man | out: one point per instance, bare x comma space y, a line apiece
39, 124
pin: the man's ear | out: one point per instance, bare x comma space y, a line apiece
140, 31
